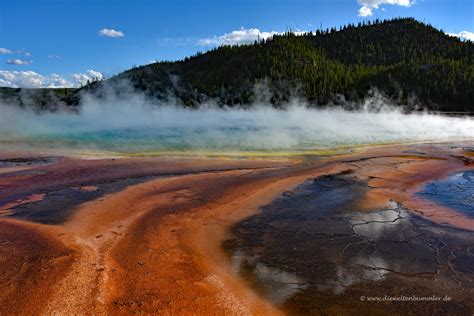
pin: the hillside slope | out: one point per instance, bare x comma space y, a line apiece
403, 58
410, 62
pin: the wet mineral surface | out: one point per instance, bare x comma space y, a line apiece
56, 206
457, 192
311, 251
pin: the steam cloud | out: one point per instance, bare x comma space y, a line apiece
134, 125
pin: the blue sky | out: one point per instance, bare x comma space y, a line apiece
60, 40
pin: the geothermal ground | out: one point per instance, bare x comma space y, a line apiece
383, 229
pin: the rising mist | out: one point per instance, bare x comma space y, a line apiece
132, 124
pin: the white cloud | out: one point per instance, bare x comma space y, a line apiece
239, 37
81, 79
365, 11
5, 51
31, 79
56, 81
367, 7
111, 33
18, 62
23, 52
464, 35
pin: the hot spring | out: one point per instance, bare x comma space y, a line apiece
135, 127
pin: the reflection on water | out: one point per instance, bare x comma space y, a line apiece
457, 192
383, 225
376, 226
278, 284
346, 276
311, 247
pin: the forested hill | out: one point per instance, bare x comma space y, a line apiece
407, 60
403, 58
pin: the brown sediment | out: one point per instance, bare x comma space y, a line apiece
31, 260
192, 271
155, 245
97, 227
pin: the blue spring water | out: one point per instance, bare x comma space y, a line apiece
230, 139
455, 192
